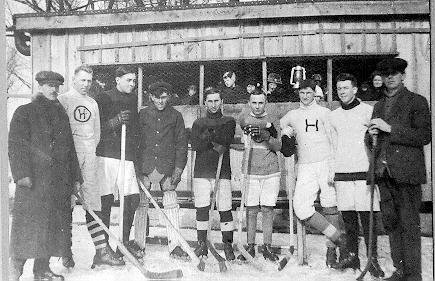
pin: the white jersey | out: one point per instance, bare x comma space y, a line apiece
350, 127
84, 118
311, 126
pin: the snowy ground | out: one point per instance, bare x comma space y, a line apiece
157, 260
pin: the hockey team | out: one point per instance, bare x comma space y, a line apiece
70, 145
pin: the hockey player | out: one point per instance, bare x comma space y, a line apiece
310, 124
350, 122
119, 106
263, 171
164, 154
84, 118
211, 136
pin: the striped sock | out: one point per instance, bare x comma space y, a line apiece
320, 223
227, 226
251, 222
171, 208
202, 221
96, 232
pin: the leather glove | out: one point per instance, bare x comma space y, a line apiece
167, 185
176, 176
205, 135
219, 148
260, 134
25, 182
146, 182
272, 130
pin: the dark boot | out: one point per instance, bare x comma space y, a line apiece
106, 256
202, 249
179, 253
331, 257
133, 248
397, 275
250, 249
375, 269
350, 260
16, 269
68, 261
267, 253
229, 252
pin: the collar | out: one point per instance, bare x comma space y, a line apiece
399, 90
311, 105
256, 116
216, 115
350, 105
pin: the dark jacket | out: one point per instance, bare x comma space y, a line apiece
213, 128
372, 94
163, 145
41, 147
410, 131
233, 95
110, 104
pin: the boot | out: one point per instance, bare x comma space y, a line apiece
397, 275
68, 262
250, 249
106, 256
202, 249
133, 248
16, 269
331, 257
267, 253
179, 253
350, 260
229, 252
375, 269
47, 275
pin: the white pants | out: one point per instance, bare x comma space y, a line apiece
355, 196
109, 177
202, 188
262, 190
310, 178
90, 190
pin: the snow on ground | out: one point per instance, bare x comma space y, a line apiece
157, 260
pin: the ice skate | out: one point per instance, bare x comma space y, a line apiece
179, 253
229, 252
350, 260
106, 256
47, 275
202, 249
267, 253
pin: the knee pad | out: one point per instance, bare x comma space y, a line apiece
170, 199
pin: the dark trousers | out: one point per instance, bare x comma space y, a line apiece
131, 202
351, 224
400, 204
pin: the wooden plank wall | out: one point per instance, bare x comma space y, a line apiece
64, 51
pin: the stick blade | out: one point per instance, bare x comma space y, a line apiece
283, 263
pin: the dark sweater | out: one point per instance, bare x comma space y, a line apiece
222, 130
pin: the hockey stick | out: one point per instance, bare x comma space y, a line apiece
372, 191
121, 188
219, 258
242, 250
285, 260
172, 274
182, 241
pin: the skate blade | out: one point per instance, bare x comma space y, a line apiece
185, 259
101, 267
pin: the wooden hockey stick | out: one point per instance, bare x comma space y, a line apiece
216, 255
121, 188
372, 191
172, 274
183, 242
248, 257
285, 260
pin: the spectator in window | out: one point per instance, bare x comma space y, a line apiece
275, 92
231, 93
376, 89
318, 96
192, 97
251, 85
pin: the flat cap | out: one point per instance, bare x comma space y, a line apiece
392, 65
228, 74
44, 77
252, 81
157, 88
316, 77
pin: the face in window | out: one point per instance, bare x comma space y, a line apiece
346, 91
306, 95
258, 104
230, 81
272, 86
250, 89
126, 83
377, 81
213, 103
161, 101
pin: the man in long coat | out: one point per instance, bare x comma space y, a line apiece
45, 169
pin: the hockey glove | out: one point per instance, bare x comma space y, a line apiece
260, 134
205, 135
146, 182
176, 176
25, 182
219, 148
124, 116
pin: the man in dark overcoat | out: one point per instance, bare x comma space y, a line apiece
401, 119
45, 169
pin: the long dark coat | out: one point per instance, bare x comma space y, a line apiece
41, 147
410, 122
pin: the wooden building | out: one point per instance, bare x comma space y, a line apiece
197, 43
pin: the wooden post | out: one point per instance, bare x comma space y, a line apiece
432, 99
139, 87
302, 243
4, 184
329, 80
264, 72
201, 84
